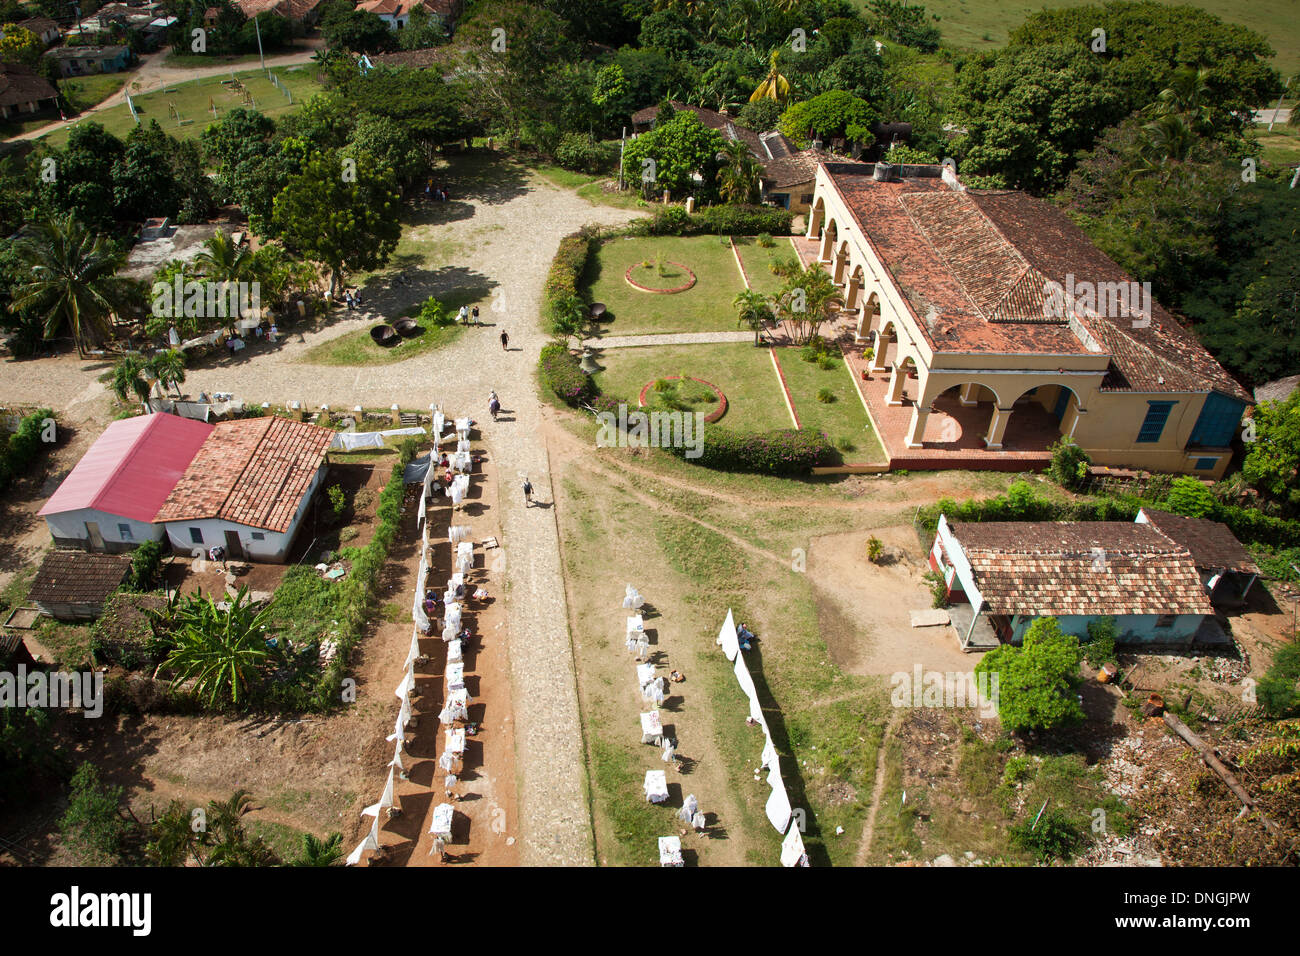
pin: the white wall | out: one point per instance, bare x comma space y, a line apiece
70, 526
274, 545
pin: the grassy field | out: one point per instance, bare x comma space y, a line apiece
87, 91
985, 24
758, 262
744, 374
1282, 146
704, 308
192, 100
842, 419
358, 348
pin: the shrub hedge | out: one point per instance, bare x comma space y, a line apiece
785, 451
715, 220
562, 374
568, 265
21, 448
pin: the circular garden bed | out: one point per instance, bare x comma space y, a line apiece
709, 418
646, 273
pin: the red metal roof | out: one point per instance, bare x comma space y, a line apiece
252, 471
132, 467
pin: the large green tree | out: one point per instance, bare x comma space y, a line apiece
220, 649
668, 156
1029, 110
828, 116
1036, 682
340, 212
1273, 454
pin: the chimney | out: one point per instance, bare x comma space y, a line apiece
883, 172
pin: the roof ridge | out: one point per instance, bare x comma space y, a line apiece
925, 235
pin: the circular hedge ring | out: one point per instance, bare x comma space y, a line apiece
712, 416
690, 282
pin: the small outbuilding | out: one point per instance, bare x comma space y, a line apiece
1226, 568
73, 585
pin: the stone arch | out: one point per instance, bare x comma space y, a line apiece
901, 389
817, 218
1043, 413
830, 236
957, 417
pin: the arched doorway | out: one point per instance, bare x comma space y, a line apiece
1040, 416
870, 310
957, 418
904, 382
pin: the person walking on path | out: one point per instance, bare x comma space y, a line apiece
505, 341
528, 493
494, 405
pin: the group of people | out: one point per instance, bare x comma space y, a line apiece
466, 315
438, 193
352, 297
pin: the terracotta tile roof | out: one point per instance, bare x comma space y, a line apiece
289, 9
796, 167
1212, 545
253, 471
972, 265
1044, 568
78, 577
765, 147
20, 86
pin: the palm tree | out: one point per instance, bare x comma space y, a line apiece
69, 277
132, 376
774, 86
1189, 94
738, 179
172, 838
807, 300
1166, 142
232, 845
223, 261
220, 650
753, 311
169, 369
317, 852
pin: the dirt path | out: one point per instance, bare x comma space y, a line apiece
877, 791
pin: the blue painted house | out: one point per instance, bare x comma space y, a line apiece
1007, 574
88, 60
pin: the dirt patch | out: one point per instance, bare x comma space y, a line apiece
864, 608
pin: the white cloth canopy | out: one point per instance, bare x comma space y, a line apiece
371, 842
792, 849
443, 815
652, 728
457, 533
407, 685
455, 676
690, 807
631, 598
645, 673
455, 652
385, 800
457, 706
670, 851
778, 803
655, 786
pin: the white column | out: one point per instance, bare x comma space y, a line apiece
917, 428
896, 385
1078, 414
997, 428
967, 394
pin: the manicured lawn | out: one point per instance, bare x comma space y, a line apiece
744, 374
192, 98
984, 24
843, 418
704, 308
758, 261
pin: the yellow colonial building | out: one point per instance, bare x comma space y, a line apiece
988, 325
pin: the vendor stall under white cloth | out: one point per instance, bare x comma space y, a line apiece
462, 428
645, 673
652, 728
670, 851
464, 556
457, 707
455, 651
656, 786
443, 816
455, 677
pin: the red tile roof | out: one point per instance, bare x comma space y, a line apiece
132, 467
972, 265
253, 471
1212, 545
1043, 568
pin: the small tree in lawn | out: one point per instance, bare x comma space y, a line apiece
1036, 683
752, 311
342, 213
809, 298
568, 318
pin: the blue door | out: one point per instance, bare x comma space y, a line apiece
1062, 403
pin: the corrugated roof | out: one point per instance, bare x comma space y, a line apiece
132, 467
1043, 568
78, 577
254, 472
